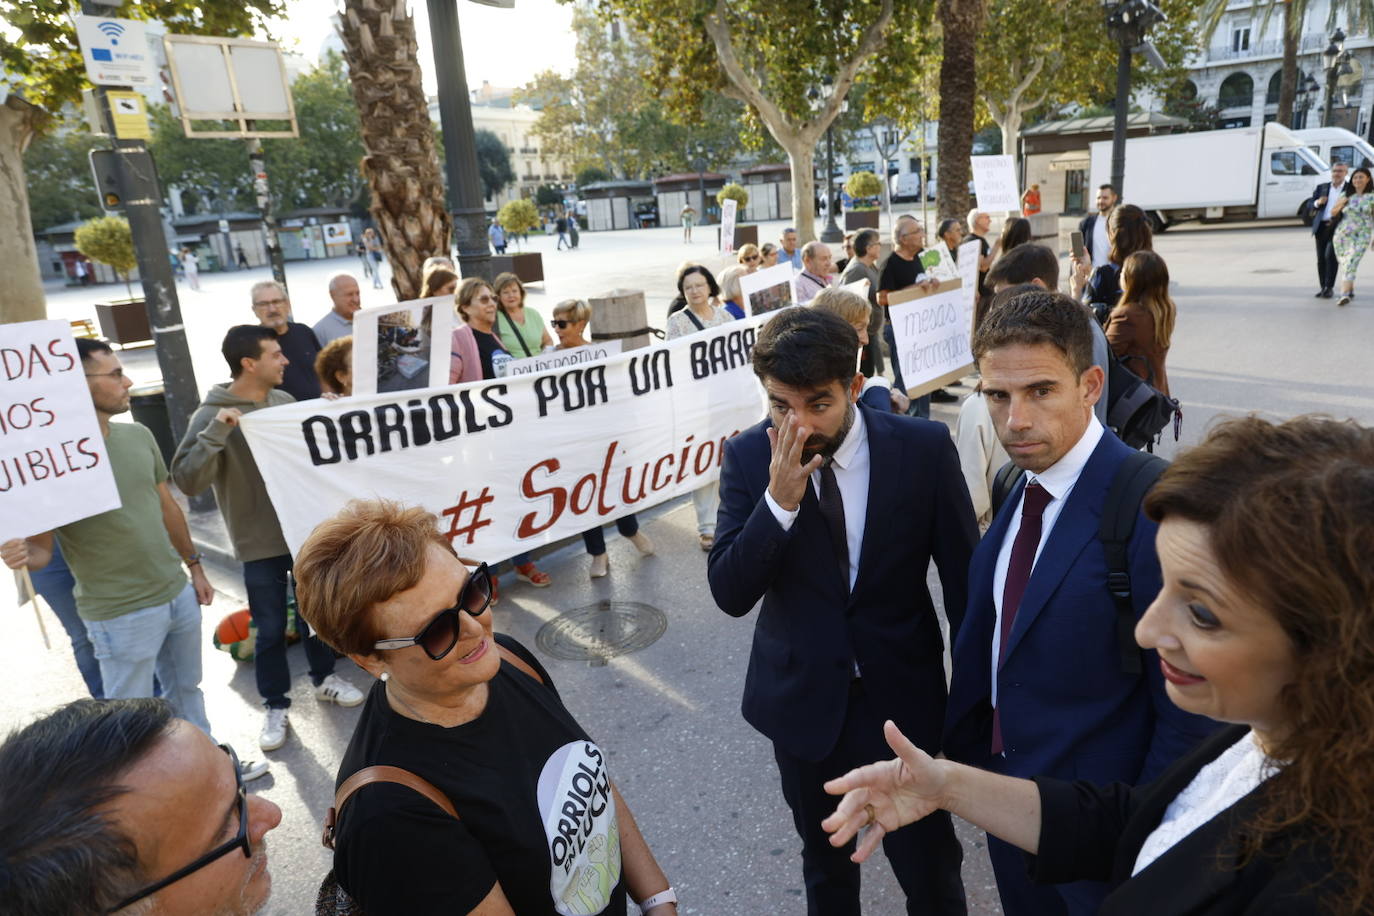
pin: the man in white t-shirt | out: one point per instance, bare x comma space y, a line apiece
1094, 226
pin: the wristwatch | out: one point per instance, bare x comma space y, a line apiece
192, 560
662, 897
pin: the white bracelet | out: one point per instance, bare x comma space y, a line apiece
668, 896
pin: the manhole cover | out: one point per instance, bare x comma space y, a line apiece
602, 630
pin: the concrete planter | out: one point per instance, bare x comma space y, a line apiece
527, 265
860, 219
124, 321
744, 235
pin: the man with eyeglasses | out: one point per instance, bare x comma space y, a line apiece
298, 341
214, 453
903, 269
140, 611
117, 807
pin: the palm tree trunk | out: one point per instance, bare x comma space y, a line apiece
401, 165
960, 20
1288, 83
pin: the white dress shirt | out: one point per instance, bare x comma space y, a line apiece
1331, 195
851, 473
1058, 480
1101, 244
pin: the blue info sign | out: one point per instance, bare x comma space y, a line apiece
115, 51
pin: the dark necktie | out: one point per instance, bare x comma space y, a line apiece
1018, 574
832, 510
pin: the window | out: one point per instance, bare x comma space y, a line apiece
914, 165
1075, 183
1283, 163
1240, 39
1343, 154
1237, 91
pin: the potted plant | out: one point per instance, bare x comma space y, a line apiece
744, 235
518, 217
863, 186
107, 239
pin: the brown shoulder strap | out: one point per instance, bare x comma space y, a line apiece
518, 662
367, 776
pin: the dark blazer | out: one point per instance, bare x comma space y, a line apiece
811, 627
1314, 213
1092, 832
1086, 226
1067, 709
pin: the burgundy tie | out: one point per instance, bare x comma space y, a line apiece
1018, 574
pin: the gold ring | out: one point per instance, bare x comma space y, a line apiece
872, 815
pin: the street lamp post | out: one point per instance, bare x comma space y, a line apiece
1128, 21
1307, 93
832, 231
1336, 63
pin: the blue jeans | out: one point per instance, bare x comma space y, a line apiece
165, 639
267, 581
55, 583
595, 539
920, 407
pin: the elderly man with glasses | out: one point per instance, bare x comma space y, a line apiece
114, 806
273, 310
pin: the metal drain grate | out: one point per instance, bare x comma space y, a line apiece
602, 631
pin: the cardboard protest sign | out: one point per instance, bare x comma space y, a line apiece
994, 183
769, 289
402, 346
932, 337
510, 464
969, 253
939, 263
53, 465
562, 359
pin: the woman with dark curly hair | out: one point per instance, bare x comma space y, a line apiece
1265, 538
1128, 231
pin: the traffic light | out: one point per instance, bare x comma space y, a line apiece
104, 168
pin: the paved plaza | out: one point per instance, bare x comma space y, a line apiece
702, 783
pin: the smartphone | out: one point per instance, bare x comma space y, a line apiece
1076, 244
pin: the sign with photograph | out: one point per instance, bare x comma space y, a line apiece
53, 465
994, 183
402, 346
932, 337
768, 290
337, 234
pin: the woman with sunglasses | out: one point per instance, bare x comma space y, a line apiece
570, 319
540, 824
749, 257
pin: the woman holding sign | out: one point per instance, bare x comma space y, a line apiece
570, 319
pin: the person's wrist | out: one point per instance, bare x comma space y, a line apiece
661, 901
783, 504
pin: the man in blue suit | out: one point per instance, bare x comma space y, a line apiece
831, 513
1039, 685
1319, 207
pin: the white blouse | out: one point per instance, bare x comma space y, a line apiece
1216, 787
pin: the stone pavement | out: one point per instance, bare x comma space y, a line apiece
701, 782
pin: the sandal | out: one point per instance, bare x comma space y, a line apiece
707, 541
533, 575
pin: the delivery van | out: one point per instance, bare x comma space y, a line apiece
1336, 144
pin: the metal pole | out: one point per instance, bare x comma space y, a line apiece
1331, 72
264, 198
460, 148
1123, 105
831, 232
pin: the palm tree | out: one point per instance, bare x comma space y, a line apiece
960, 20
400, 164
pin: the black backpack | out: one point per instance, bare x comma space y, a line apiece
1132, 481
1137, 411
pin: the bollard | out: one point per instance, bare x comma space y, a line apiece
617, 312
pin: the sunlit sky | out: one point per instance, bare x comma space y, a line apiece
506, 47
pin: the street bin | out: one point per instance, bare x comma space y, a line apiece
148, 404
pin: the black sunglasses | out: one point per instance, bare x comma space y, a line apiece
241, 841
440, 635
562, 323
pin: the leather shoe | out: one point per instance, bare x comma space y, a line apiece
1328, 293
1321, 293
941, 396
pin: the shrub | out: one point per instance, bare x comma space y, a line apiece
735, 192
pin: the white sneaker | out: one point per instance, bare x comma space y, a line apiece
601, 564
642, 544
250, 770
335, 689
274, 730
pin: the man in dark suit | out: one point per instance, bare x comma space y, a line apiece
1094, 226
831, 513
1324, 226
1040, 686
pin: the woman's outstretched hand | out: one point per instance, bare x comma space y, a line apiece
885, 796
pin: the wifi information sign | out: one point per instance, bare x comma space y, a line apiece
115, 51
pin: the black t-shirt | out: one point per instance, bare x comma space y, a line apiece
983, 249
532, 792
300, 348
487, 347
899, 273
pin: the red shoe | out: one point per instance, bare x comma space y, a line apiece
533, 575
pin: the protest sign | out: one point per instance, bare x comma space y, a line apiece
727, 225
994, 183
969, 253
932, 338
562, 359
510, 464
858, 288
402, 346
768, 290
939, 263
53, 465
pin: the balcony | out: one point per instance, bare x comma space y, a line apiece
1313, 42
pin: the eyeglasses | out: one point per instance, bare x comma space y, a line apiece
562, 323
116, 374
440, 635
486, 298
264, 303
241, 841
751, 257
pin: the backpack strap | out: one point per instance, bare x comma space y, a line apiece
1002, 485
368, 775
1133, 479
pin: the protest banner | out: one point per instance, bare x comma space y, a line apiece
932, 338
562, 359
53, 465
510, 464
402, 346
994, 184
727, 225
768, 290
969, 253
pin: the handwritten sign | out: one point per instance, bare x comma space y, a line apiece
994, 183
53, 465
969, 253
562, 359
932, 336
727, 225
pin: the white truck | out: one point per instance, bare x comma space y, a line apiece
1336, 144
1242, 173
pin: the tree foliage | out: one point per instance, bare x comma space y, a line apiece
212, 174
518, 216
546, 195
493, 163
107, 239
864, 184
591, 175
58, 169
736, 192
320, 167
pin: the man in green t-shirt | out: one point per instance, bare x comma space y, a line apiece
141, 613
